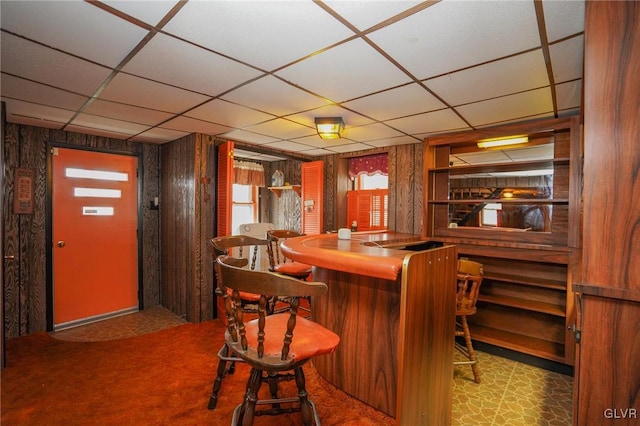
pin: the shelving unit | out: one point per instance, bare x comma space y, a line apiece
278, 189
526, 298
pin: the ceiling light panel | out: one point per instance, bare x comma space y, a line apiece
244, 30
424, 42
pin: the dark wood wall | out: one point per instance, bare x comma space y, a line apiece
608, 377
25, 279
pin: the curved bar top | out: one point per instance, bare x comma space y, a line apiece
372, 254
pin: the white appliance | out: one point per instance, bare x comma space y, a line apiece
257, 230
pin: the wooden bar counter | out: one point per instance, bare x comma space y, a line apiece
394, 310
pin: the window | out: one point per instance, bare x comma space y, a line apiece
245, 206
376, 181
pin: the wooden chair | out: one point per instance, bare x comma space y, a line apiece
240, 245
278, 262
470, 275
273, 345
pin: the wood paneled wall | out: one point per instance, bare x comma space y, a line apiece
25, 279
187, 206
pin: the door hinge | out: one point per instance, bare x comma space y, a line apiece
576, 332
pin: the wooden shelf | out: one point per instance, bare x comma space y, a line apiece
533, 281
278, 189
529, 305
517, 342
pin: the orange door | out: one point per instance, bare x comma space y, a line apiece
95, 247
312, 197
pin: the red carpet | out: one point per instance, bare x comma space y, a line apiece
156, 379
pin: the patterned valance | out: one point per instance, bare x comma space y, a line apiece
248, 173
369, 165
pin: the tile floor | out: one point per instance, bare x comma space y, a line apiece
511, 393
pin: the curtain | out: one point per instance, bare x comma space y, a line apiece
369, 165
248, 173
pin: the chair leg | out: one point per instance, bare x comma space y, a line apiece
471, 353
224, 358
245, 412
306, 408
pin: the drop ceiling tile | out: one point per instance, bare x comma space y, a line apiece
74, 27
402, 101
127, 112
318, 142
337, 73
567, 59
125, 128
370, 132
452, 35
19, 110
537, 152
249, 137
192, 125
159, 136
563, 18
213, 75
514, 74
363, 16
520, 106
141, 9
483, 157
228, 114
87, 130
282, 129
350, 118
341, 149
137, 91
316, 152
436, 121
401, 140
261, 94
21, 89
287, 146
41, 64
263, 33
569, 95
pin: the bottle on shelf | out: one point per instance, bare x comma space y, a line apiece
277, 179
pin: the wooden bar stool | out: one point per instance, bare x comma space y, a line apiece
470, 275
273, 345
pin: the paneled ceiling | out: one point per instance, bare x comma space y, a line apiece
259, 72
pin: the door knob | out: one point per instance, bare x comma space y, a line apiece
61, 244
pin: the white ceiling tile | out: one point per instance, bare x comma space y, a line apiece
287, 146
261, 94
569, 95
127, 112
370, 132
282, 129
316, 152
29, 110
108, 124
518, 106
348, 148
87, 130
563, 18
436, 121
318, 142
192, 125
567, 59
214, 74
405, 100
483, 157
402, 140
159, 135
141, 10
537, 152
363, 16
514, 74
268, 34
18, 88
75, 27
228, 114
337, 73
350, 118
249, 137
44, 65
133, 90
452, 35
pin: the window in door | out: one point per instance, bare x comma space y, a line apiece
244, 205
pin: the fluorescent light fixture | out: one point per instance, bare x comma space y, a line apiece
96, 174
508, 140
329, 127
